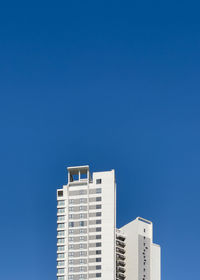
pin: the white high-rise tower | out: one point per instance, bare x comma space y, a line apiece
88, 244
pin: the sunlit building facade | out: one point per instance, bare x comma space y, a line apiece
88, 244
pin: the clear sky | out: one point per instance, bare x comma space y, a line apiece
112, 84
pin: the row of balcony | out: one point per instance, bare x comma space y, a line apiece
120, 257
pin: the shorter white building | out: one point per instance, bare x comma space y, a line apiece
141, 255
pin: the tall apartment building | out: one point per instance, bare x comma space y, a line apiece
88, 244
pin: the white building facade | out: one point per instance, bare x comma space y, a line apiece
88, 244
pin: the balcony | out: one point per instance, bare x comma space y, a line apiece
120, 263
120, 250
121, 237
120, 276
120, 269
121, 257
120, 244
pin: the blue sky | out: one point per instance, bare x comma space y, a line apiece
112, 84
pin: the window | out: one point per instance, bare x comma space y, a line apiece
98, 267
82, 192
71, 231
61, 248
98, 198
71, 224
98, 222
98, 244
82, 268
60, 193
82, 230
71, 209
82, 237
98, 259
98, 214
71, 246
61, 233
70, 216
71, 261
98, 252
81, 224
71, 269
71, 238
98, 181
61, 202
61, 240
98, 229
71, 254
61, 270
98, 190
81, 261
61, 256
60, 263
61, 210
98, 275
61, 218
144, 230
71, 201
98, 206
98, 236
61, 225
60, 278
71, 277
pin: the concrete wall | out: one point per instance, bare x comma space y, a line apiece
155, 262
142, 256
108, 222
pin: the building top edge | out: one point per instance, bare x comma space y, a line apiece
138, 219
144, 220
78, 167
156, 245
